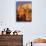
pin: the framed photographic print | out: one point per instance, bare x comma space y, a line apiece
23, 11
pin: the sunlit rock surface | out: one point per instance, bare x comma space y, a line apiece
39, 40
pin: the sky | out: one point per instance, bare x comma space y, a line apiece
31, 30
22, 2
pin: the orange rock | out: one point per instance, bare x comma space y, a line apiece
39, 40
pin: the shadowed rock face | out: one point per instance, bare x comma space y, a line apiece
39, 40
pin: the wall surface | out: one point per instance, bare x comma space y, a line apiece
36, 28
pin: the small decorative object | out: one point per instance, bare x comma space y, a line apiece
8, 31
15, 33
29, 44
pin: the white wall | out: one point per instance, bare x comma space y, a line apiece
36, 28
